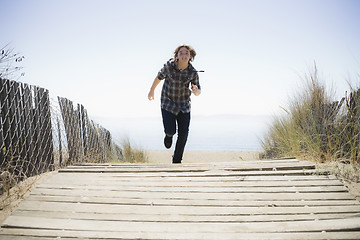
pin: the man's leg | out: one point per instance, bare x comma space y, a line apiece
183, 121
169, 122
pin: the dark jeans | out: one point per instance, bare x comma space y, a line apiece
183, 122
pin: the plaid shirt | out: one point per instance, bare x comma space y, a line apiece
175, 94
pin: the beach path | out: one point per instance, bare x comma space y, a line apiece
252, 199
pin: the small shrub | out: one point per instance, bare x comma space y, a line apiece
133, 155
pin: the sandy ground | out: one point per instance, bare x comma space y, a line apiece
353, 187
165, 157
348, 174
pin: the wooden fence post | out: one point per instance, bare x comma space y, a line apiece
19, 115
83, 128
36, 132
60, 144
27, 102
49, 147
2, 122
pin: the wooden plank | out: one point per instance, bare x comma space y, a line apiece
238, 164
192, 202
351, 224
232, 165
222, 177
183, 210
203, 189
211, 165
17, 237
20, 234
242, 167
106, 181
194, 195
184, 218
194, 174
107, 184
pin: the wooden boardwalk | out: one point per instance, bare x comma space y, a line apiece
269, 199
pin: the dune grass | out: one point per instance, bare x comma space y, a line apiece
132, 154
316, 126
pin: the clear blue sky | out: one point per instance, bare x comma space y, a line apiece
105, 54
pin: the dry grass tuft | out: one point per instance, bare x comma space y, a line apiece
131, 154
12, 197
317, 127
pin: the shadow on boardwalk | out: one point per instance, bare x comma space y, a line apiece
259, 199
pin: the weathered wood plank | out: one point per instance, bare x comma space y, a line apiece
213, 178
144, 217
182, 210
197, 195
201, 189
191, 202
20, 234
189, 165
231, 165
195, 174
351, 224
76, 182
243, 167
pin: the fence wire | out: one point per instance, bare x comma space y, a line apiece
39, 134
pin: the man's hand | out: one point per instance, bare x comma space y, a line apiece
152, 89
151, 95
196, 91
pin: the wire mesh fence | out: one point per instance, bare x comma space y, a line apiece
39, 134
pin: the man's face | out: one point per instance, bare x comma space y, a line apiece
184, 55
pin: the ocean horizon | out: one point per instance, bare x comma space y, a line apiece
207, 133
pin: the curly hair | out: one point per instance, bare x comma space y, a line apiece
188, 47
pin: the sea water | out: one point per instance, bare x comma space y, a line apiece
207, 133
